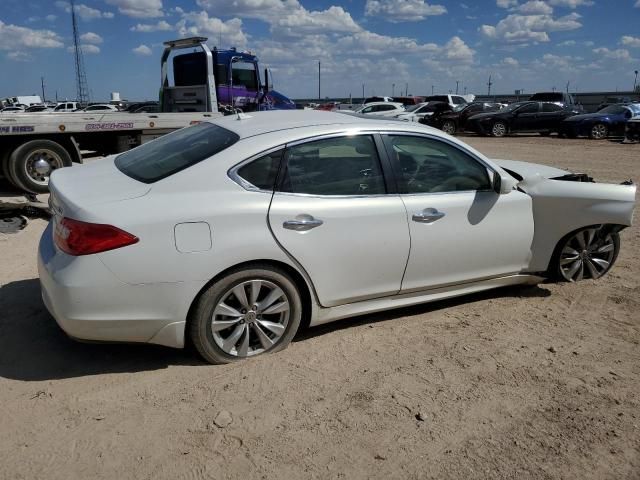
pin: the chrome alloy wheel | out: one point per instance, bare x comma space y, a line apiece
499, 129
40, 164
250, 318
449, 127
599, 131
587, 254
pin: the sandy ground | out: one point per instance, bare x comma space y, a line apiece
529, 382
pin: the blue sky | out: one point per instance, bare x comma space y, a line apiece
530, 45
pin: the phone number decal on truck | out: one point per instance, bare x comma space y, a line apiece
18, 129
108, 126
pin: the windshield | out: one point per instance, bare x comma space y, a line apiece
615, 109
513, 106
462, 106
171, 153
411, 108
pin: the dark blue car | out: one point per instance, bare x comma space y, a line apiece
610, 121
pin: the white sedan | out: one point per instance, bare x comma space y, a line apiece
381, 109
235, 232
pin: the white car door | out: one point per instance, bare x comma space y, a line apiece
332, 214
461, 230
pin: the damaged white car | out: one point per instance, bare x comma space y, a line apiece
233, 233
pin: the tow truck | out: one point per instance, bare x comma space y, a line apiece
196, 85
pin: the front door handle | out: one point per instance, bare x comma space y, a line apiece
428, 215
302, 223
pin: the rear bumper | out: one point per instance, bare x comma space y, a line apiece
89, 303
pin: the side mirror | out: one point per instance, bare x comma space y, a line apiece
503, 184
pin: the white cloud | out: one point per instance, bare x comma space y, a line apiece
510, 62
529, 28
139, 8
637, 5
402, 10
458, 51
51, 18
200, 24
630, 41
571, 3
19, 56
506, 3
533, 7
87, 49
91, 37
83, 11
161, 26
142, 50
621, 54
567, 43
13, 37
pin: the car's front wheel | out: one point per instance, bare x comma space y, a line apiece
449, 127
587, 253
246, 313
599, 131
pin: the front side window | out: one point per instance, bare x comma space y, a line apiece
171, 153
427, 165
529, 108
334, 166
458, 100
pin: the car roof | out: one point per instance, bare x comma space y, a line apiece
382, 103
259, 123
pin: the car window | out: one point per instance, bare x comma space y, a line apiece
384, 108
458, 100
262, 172
367, 110
174, 152
550, 107
528, 108
428, 166
334, 166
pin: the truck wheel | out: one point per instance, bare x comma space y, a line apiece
31, 164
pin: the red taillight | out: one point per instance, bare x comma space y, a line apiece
81, 238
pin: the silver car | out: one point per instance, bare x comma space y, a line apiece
235, 232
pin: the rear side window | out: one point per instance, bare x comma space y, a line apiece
551, 107
262, 173
334, 166
172, 153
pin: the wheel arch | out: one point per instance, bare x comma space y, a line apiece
306, 291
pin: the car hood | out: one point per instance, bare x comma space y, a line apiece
98, 182
526, 169
588, 116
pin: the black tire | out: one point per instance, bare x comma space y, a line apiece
200, 323
4, 167
20, 168
499, 129
599, 131
603, 235
449, 126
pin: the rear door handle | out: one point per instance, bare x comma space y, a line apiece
428, 215
302, 223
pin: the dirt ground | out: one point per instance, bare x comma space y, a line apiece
530, 382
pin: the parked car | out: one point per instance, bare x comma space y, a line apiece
99, 107
143, 107
541, 117
423, 110
632, 131
613, 101
38, 109
66, 107
610, 121
559, 98
377, 99
456, 120
409, 101
381, 109
452, 100
232, 233
12, 110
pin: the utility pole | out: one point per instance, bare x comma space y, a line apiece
393, 89
457, 84
568, 82
635, 82
489, 83
465, 89
44, 97
406, 89
82, 88
432, 86
553, 89
363, 93
319, 81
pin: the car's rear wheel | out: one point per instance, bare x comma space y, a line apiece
587, 253
599, 131
246, 313
499, 129
449, 127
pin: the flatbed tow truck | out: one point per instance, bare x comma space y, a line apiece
196, 86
